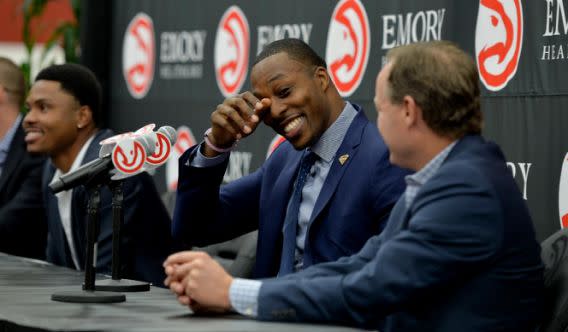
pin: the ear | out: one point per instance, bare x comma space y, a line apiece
3, 94
322, 77
411, 112
84, 116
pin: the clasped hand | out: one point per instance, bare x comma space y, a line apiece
198, 281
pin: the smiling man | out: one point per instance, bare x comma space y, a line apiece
459, 252
63, 122
319, 196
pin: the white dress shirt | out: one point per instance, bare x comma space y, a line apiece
64, 200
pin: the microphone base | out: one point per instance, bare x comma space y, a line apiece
121, 285
83, 296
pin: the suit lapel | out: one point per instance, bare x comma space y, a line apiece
349, 146
55, 226
80, 197
14, 157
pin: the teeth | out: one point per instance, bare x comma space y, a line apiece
292, 125
32, 135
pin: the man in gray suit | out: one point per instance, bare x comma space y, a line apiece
459, 251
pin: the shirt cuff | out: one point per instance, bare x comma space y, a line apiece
243, 295
199, 160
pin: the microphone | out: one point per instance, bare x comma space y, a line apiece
142, 145
82, 174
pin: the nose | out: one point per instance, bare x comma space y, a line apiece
277, 109
29, 118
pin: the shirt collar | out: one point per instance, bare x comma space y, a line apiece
426, 172
330, 141
78, 160
9, 137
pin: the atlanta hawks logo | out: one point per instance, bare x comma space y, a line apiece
232, 45
128, 156
498, 41
138, 55
563, 193
348, 45
162, 151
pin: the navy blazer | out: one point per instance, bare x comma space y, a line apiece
23, 230
462, 257
354, 202
145, 234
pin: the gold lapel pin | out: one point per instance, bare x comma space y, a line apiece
343, 159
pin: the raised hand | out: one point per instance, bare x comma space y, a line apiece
236, 118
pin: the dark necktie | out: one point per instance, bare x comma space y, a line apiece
291, 221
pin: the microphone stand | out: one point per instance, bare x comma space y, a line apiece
88, 294
116, 284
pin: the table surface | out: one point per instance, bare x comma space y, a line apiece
26, 287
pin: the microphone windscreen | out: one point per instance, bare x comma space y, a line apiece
148, 141
170, 133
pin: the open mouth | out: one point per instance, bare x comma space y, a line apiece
33, 135
292, 128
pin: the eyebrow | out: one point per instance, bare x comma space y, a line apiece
40, 100
275, 77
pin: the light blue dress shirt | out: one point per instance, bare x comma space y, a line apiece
415, 181
6, 141
243, 293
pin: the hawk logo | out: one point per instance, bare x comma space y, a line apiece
348, 45
185, 140
232, 45
138, 53
162, 151
498, 41
128, 156
563, 193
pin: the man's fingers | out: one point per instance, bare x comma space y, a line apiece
177, 288
167, 281
261, 107
184, 299
183, 257
221, 120
235, 117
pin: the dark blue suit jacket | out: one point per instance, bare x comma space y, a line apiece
462, 257
353, 204
145, 234
23, 230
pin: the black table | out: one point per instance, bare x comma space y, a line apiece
25, 305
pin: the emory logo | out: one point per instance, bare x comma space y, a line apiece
348, 45
563, 193
232, 45
185, 140
498, 41
138, 53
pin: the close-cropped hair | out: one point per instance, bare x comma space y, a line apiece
12, 80
80, 82
443, 80
296, 49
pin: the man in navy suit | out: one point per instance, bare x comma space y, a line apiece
459, 251
348, 191
63, 122
23, 229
